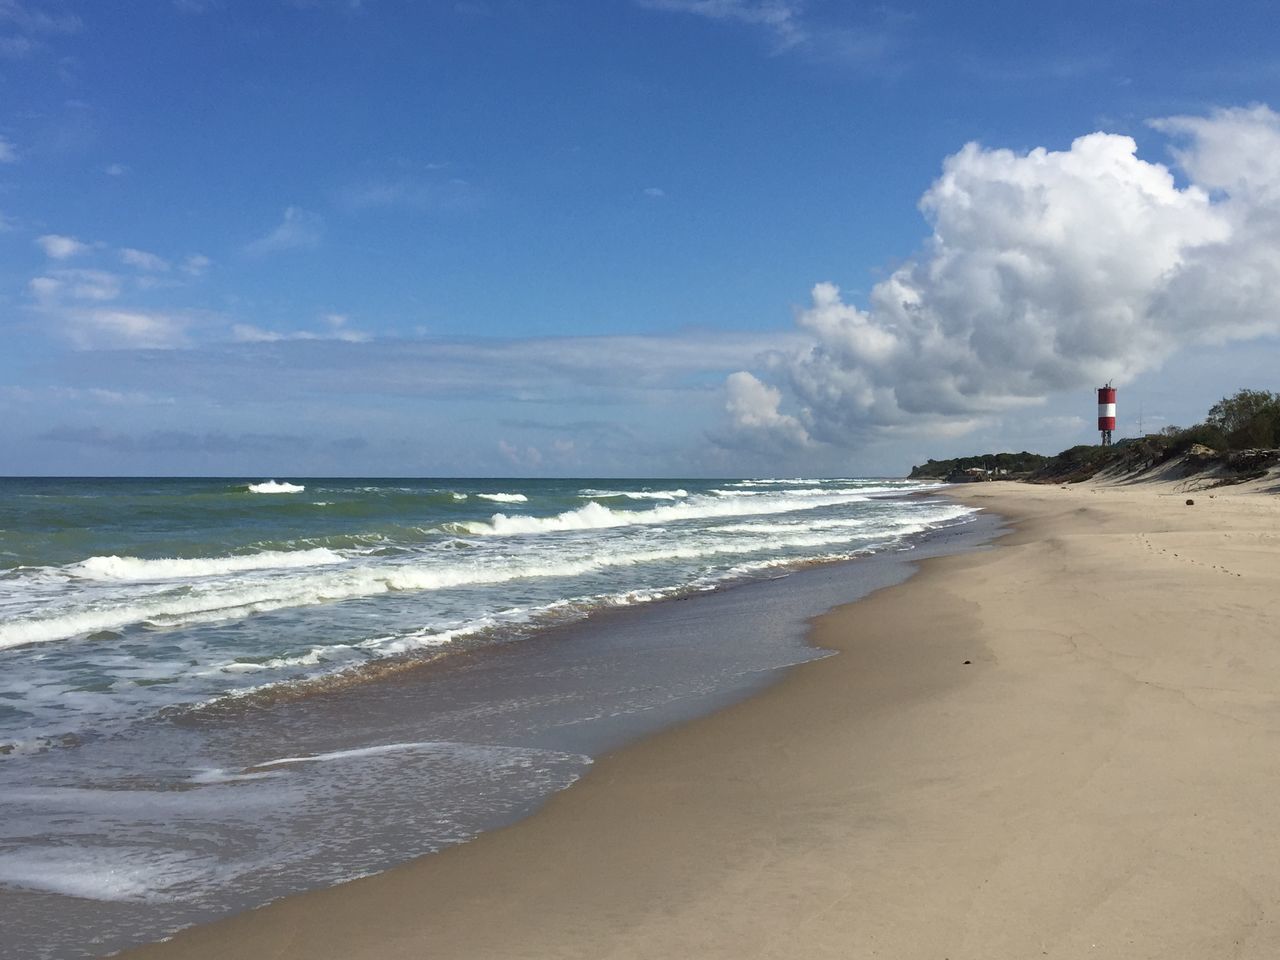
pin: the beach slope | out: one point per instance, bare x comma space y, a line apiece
1067, 745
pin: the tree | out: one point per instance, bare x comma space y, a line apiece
1250, 418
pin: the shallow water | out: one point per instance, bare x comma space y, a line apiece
173, 815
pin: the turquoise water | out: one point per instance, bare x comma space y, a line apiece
217, 692
121, 597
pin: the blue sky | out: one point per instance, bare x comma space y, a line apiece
585, 238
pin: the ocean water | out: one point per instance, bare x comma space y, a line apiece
214, 692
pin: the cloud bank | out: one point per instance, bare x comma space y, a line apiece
1045, 271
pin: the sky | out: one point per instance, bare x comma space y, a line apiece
635, 238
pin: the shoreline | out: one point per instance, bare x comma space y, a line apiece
435, 755
1081, 785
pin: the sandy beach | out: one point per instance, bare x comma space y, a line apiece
1063, 746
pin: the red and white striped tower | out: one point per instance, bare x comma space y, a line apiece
1106, 412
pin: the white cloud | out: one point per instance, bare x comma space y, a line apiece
1234, 150
298, 230
16, 48
781, 17
27, 18
196, 265
676, 369
1046, 271
80, 306
51, 393
656, 193
58, 247
108, 329
335, 329
528, 457
74, 286
753, 409
115, 170
423, 196
7, 153
143, 260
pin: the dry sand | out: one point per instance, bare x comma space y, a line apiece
1103, 780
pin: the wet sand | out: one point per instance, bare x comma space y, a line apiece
1100, 779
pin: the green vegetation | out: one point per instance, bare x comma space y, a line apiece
1011, 464
1249, 419
1240, 434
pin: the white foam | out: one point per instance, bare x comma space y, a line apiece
271, 486
356, 753
312, 658
169, 568
160, 604
125, 873
595, 516
634, 494
504, 497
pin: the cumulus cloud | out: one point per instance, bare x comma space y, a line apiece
753, 408
1045, 271
298, 230
58, 247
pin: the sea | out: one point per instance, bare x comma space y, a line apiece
215, 692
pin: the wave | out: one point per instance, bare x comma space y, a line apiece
634, 494
271, 486
229, 601
504, 497
170, 568
595, 516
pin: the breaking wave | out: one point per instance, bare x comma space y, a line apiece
172, 568
634, 494
236, 599
595, 516
271, 486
